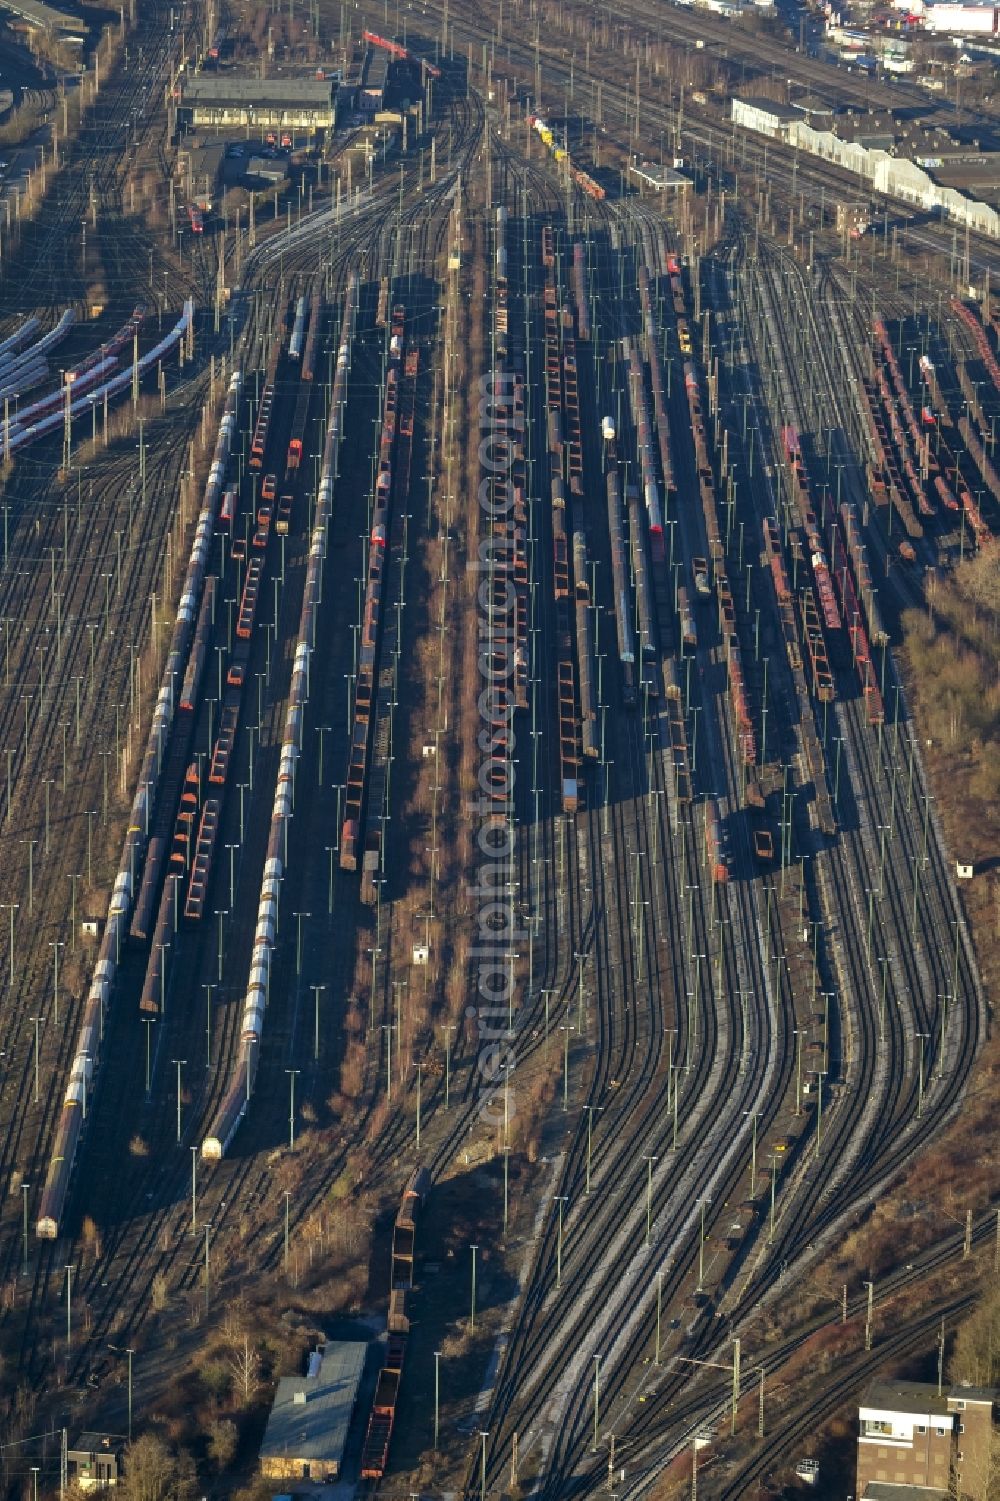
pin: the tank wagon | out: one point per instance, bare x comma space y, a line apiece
88, 1045
226, 1120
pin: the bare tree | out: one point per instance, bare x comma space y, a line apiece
976, 1357
979, 580
979, 1475
153, 1473
223, 1441
244, 1362
242, 1354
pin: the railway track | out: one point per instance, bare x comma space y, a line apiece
106, 699
801, 1232
49, 708
609, 1158
136, 1255
609, 100
706, 1403
607, 892
800, 1217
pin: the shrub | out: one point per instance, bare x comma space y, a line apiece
223, 1441
217, 1379
975, 1359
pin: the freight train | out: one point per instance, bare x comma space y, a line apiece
715, 851
262, 427
739, 701
651, 337
565, 455
377, 810
508, 525
88, 1046
375, 1451
847, 579
173, 772
401, 54
366, 685
585, 648
296, 343
189, 852
583, 180
647, 453
226, 1120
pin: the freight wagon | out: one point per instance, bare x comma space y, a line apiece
297, 342
375, 1451
714, 849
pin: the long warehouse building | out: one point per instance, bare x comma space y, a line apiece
895, 176
221, 101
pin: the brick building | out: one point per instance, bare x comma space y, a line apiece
910, 1436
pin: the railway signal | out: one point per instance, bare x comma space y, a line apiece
590, 1127
649, 1159
69, 1309
179, 1064
24, 1198
317, 991
921, 1038
472, 1306
37, 1021
11, 907
437, 1397
597, 1397
560, 1200
55, 947
291, 1072
868, 1314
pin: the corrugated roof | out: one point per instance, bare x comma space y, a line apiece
268, 168
812, 104
47, 16
770, 106
97, 1443
316, 1428
376, 68
660, 177
203, 88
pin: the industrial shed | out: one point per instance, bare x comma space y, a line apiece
371, 95
766, 115
221, 101
46, 17
661, 179
307, 1430
96, 1460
